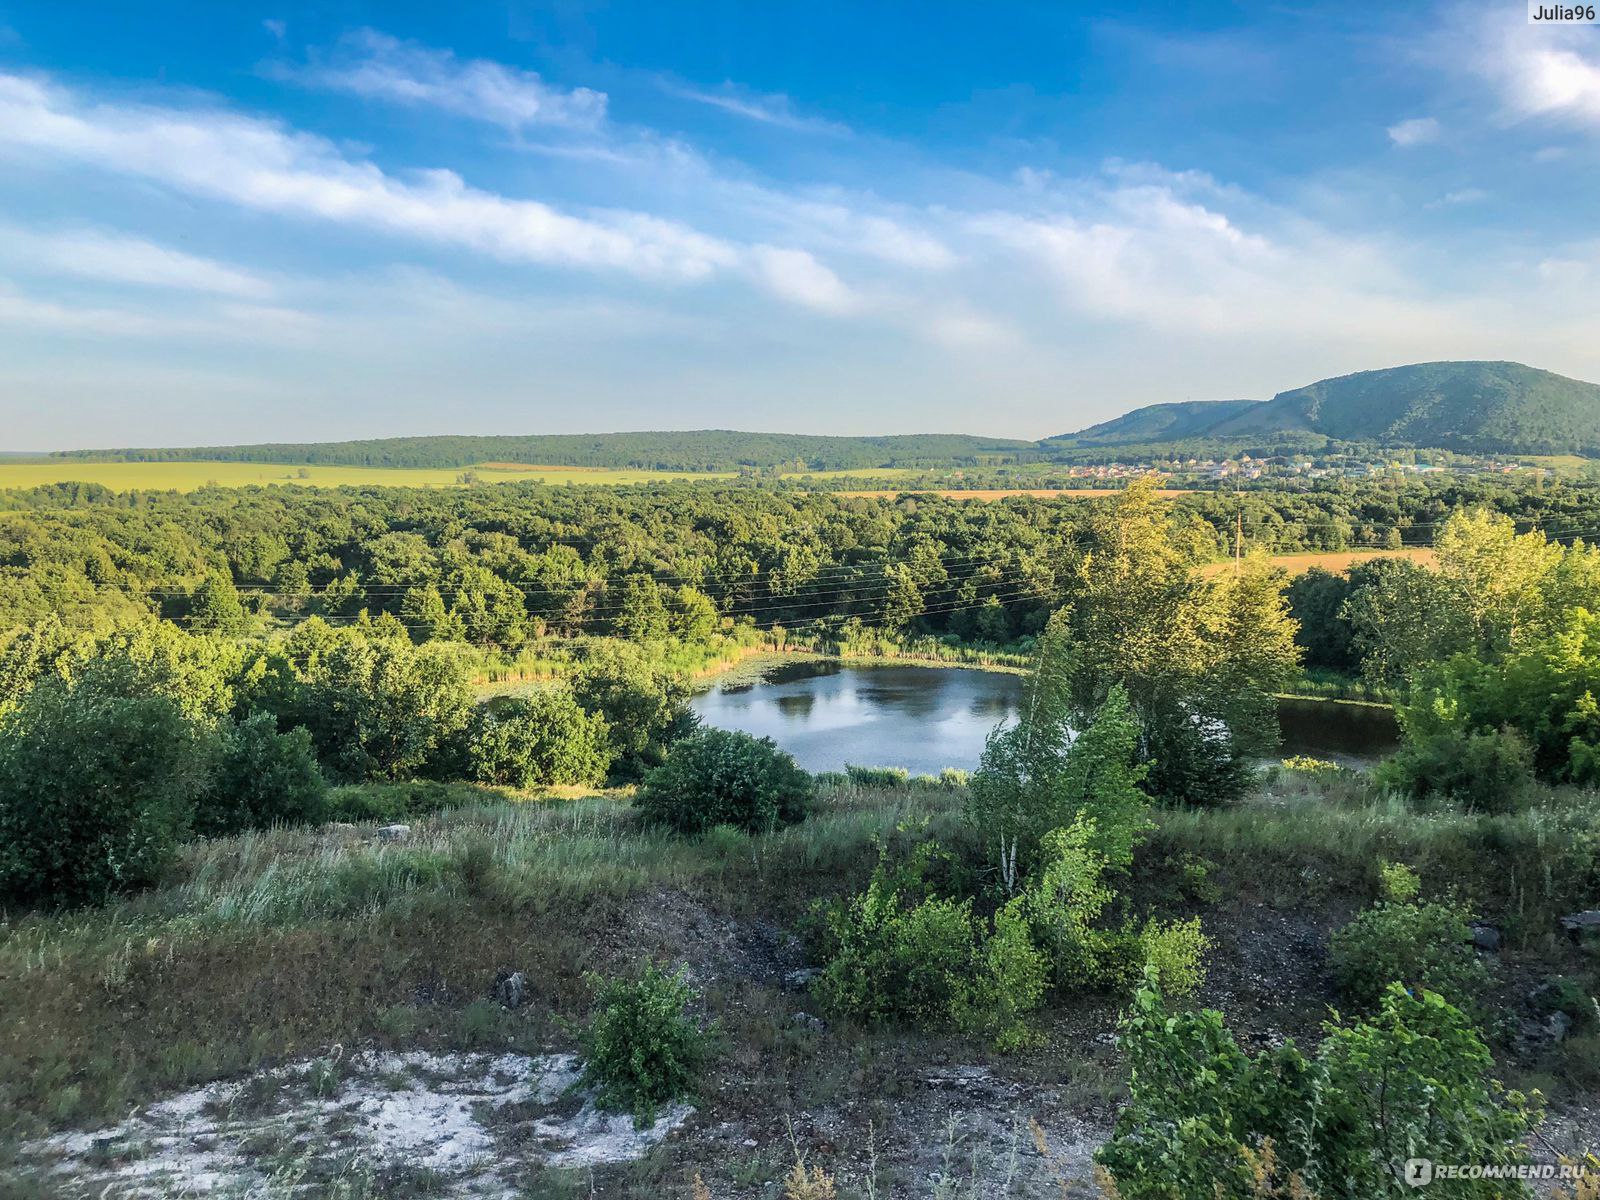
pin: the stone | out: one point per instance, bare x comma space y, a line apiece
510, 987
1557, 1026
813, 1023
801, 980
1579, 925
394, 833
1485, 937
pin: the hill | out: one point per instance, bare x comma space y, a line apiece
1473, 407
693, 450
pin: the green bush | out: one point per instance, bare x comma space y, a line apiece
1487, 772
645, 706
96, 792
642, 1048
896, 953
1419, 944
262, 778
720, 777
1204, 1119
537, 741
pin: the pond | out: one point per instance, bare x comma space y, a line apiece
927, 718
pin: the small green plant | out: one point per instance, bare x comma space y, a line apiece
720, 777
643, 1048
1398, 882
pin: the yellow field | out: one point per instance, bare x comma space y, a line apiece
1335, 561
188, 476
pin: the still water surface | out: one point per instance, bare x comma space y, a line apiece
928, 718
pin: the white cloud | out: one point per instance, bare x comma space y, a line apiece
1466, 195
1549, 72
1156, 255
1416, 131
235, 322
118, 258
774, 109
796, 275
278, 29
262, 165
379, 67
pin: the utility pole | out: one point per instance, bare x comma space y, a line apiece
1238, 539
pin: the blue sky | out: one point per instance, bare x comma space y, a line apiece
225, 223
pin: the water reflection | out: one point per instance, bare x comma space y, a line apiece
926, 719
828, 715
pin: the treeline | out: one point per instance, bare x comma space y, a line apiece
498, 567
694, 450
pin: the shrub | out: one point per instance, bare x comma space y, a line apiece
96, 792
262, 778
899, 954
1204, 1119
1487, 772
893, 958
720, 777
537, 741
643, 1049
1412, 943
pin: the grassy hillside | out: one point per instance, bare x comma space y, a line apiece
1475, 407
694, 450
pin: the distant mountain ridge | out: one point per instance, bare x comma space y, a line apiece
1473, 407
1470, 407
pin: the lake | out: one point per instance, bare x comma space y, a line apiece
927, 718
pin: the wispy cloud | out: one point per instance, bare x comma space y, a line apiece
379, 67
117, 258
263, 165
1416, 131
774, 109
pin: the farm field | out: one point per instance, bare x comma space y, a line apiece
191, 476
1335, 561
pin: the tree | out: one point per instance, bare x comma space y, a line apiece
537, 741
721, 777
1034, 777
1199, 661
376, 706
214, 606
1316, 601
645, 707
641, 611
262, 778
96, 791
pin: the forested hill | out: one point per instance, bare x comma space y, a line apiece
1475, 407
695, 450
